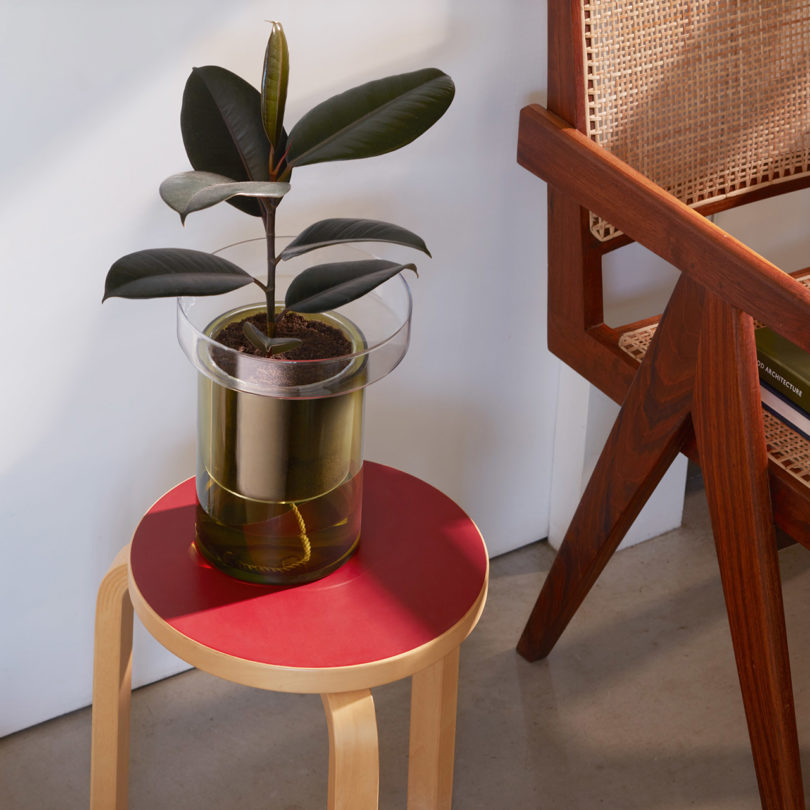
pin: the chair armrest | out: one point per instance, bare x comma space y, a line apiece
558, 153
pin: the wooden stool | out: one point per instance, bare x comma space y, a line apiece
401, 606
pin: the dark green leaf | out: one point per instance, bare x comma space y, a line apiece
340, 231
371, 119
326, 286
274, 86
169, 272
222, 128
193, 191
266, 344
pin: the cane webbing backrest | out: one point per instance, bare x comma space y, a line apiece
707, 98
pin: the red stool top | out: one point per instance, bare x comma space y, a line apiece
419, 568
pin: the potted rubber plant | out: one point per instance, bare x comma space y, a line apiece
283, 352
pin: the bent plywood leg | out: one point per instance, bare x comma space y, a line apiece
111, 690
651, 428
434, 693
354, 762
735, 463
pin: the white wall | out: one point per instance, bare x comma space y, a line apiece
97, 413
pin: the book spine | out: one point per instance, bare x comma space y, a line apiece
785, 411
779, 377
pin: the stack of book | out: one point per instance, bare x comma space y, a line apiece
784, 377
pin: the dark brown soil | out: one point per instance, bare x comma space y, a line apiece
319, 339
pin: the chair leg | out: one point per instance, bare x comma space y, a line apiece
650, 430
434, 697
354, 763
734, 464
109, 764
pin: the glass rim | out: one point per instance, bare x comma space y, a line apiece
185, 301
374, 322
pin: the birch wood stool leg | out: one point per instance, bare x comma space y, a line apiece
112, 668
434, 695
354, 761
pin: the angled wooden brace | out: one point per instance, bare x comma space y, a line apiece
650, 430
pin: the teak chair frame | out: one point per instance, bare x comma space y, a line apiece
695, 391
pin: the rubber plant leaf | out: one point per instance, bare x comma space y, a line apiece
275, 76
266, 344
341, 231
169, 272
192, 191
326, 286
372, 119
222, 129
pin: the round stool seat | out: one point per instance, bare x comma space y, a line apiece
408, 596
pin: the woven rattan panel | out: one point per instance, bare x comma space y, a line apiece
707, 98
786, 448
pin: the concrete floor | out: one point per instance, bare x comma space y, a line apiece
637, 707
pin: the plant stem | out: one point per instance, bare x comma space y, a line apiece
270, 288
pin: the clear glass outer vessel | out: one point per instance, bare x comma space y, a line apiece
280, 442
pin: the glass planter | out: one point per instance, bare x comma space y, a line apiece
280, 442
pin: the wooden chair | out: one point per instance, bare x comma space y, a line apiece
660, 113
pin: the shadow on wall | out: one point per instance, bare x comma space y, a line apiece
66, 528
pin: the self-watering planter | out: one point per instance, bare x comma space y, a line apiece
280, 442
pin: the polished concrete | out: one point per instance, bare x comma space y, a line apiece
637, 707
